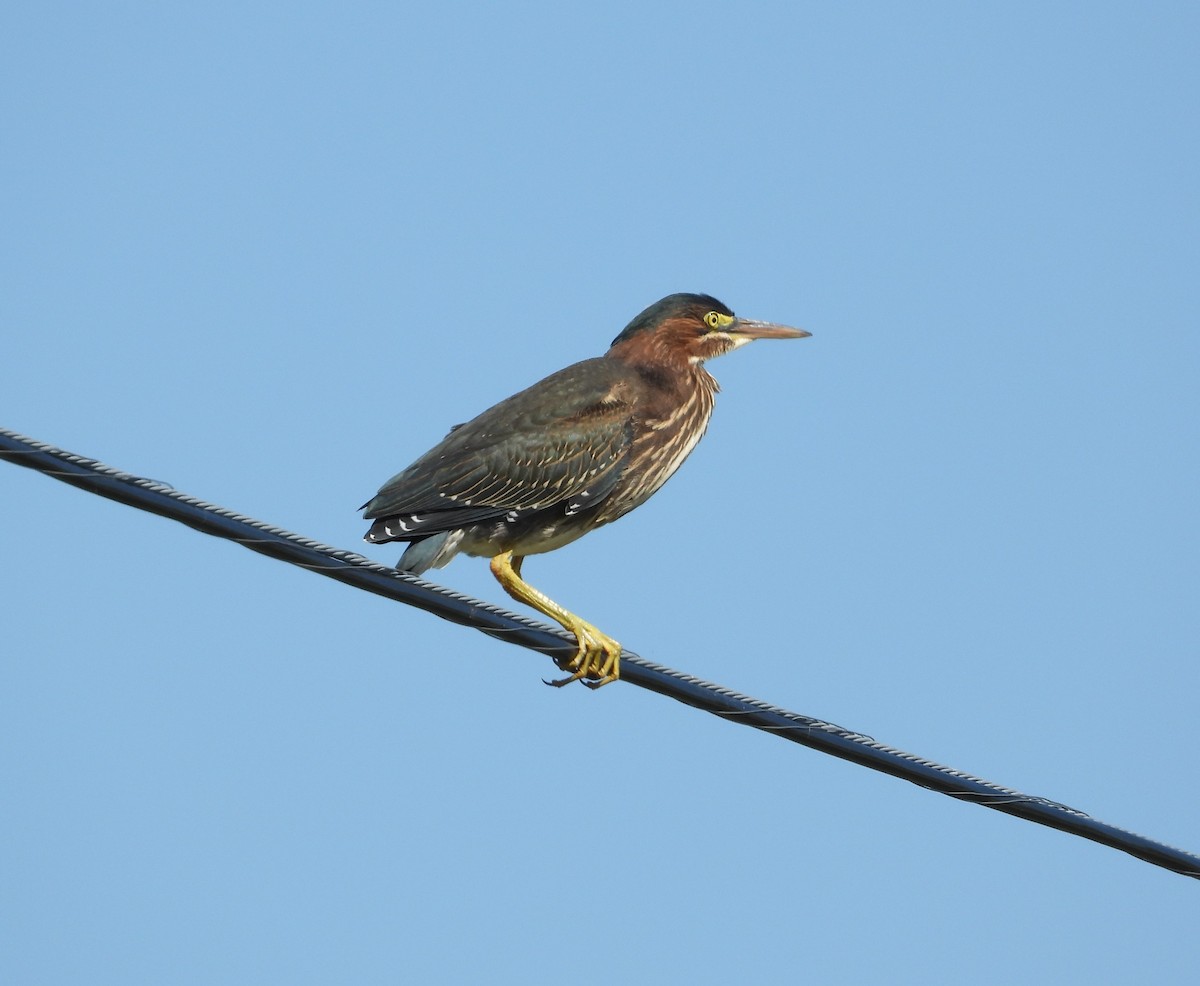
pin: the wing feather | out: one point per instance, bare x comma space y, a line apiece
563, 440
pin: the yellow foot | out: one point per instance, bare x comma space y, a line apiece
598, 658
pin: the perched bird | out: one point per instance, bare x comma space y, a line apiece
574, 452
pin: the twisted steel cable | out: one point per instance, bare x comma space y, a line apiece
360, 572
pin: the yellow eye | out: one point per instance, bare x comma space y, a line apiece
712, 320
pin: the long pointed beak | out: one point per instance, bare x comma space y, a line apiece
751, 329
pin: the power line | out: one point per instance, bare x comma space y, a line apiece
362, 573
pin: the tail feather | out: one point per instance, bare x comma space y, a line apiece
430, 552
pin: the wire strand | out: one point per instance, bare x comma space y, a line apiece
362, 573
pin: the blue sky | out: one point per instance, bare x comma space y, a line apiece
269, 253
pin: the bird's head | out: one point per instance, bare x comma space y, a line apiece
692, 328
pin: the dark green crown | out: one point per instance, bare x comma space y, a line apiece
672, 306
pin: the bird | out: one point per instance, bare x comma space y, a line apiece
573, 452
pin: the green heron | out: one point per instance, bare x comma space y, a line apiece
570, 454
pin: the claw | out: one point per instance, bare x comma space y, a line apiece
598, 658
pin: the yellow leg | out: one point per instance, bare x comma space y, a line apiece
598, 657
